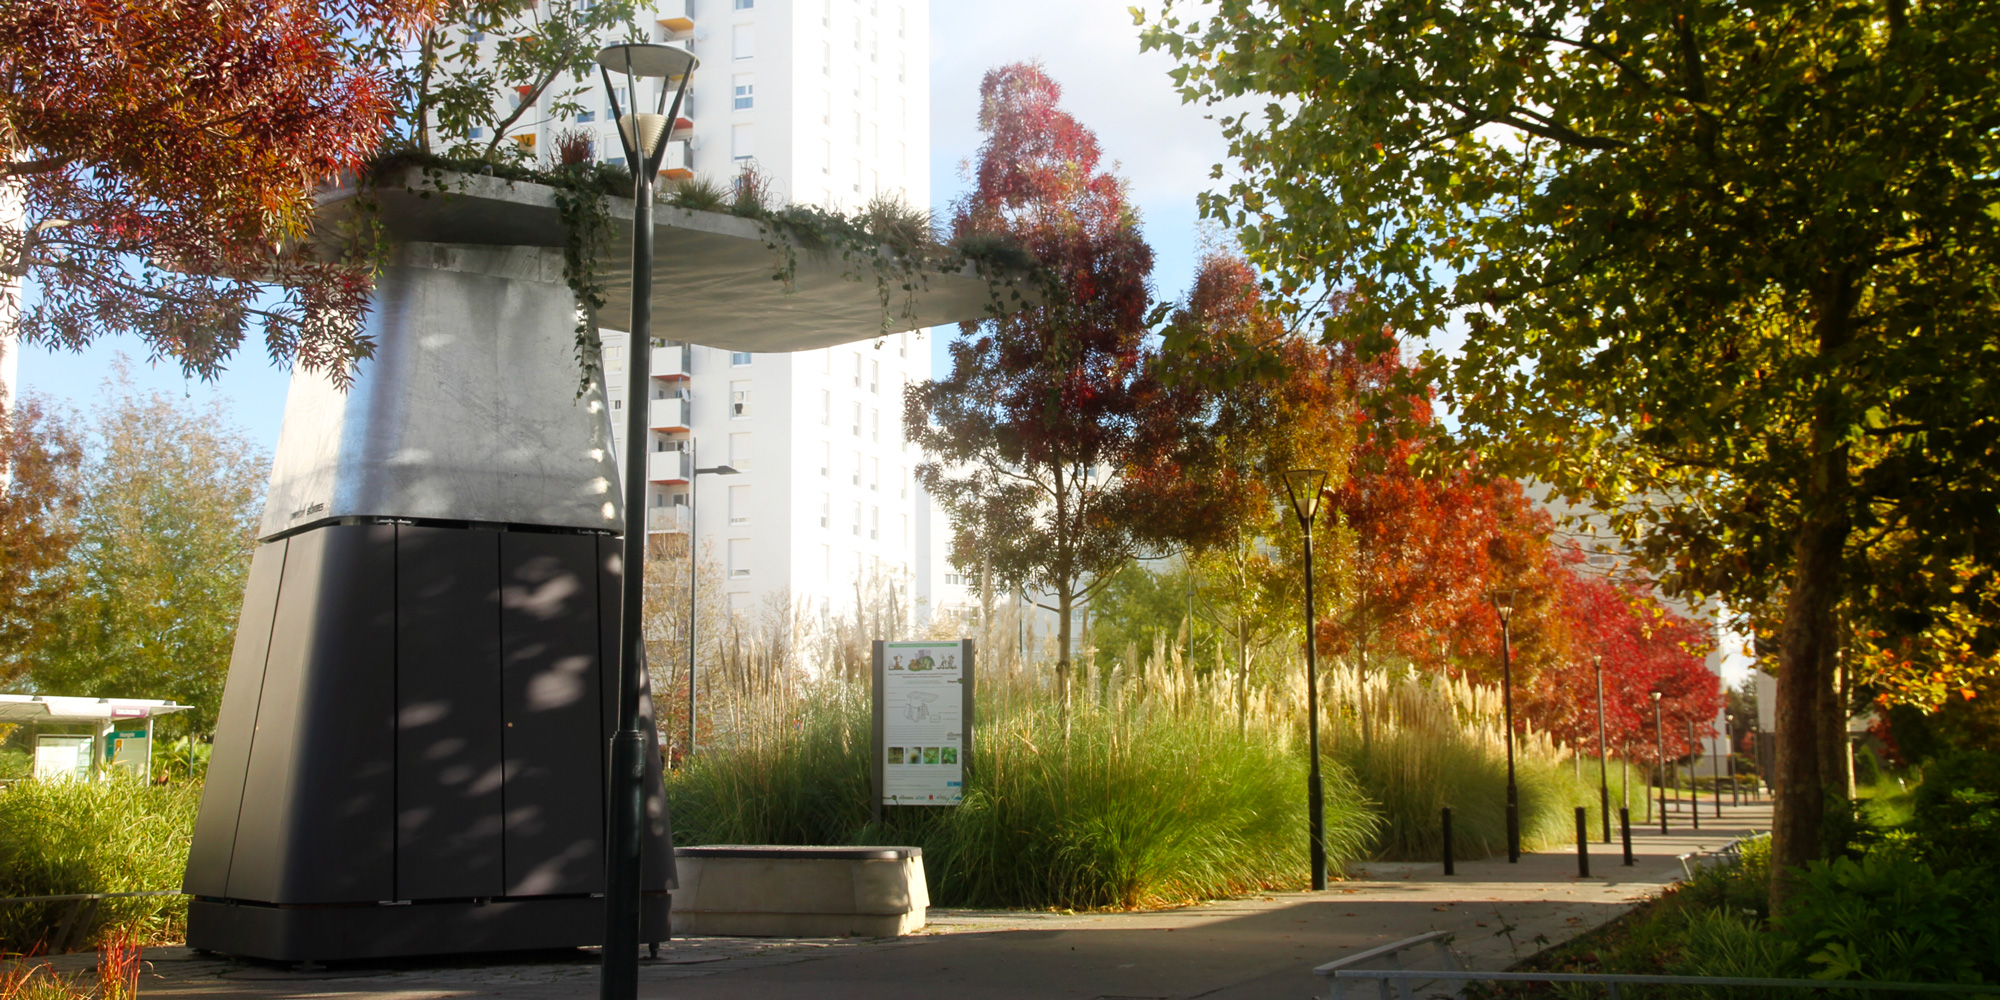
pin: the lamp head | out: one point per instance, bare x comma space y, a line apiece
725, 470
1503, 603
1303, 487
644, 134
1656, 697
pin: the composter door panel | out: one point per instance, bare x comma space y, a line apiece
229, 756
552, 687
449, 770
317, 823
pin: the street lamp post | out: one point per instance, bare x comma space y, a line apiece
1503, 603
1660, 765
1304, 487
1717, 768
644, 137
695, 472
1603, 771
1694, 791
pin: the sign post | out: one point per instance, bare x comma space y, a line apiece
922, 723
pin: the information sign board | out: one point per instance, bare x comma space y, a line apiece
923, 722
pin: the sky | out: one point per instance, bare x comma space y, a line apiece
1163, 148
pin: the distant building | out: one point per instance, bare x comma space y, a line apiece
829, 100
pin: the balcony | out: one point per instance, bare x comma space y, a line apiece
668, 467
669, 414
670, 362
675, 24
668, 519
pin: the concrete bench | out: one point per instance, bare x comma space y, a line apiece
732, 890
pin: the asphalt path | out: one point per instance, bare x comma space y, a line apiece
1262, 946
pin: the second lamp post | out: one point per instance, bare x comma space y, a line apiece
1503, 604
1304, 487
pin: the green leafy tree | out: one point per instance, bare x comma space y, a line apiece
151, 590
39, 502
1728, 270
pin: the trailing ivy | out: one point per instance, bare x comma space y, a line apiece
889, 242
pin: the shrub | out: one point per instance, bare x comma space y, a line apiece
1957, 808
1890, 916
62, 837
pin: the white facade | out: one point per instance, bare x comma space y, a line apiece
829, 100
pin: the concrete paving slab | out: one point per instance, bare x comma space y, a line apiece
1262, 946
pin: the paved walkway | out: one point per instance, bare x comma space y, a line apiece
1262, 947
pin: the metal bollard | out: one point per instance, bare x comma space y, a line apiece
1447, 842
1625, 831
1582, 843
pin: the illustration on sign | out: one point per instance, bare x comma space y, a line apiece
922, 704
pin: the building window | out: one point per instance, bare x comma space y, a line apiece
739, 557
739, 505
476, 132
825, 460
857, 469
746, 96
825, 511
857, 520
741, 41
875, 474
902, 484
741, 142
857, 371
874, 522
739, 358
586, 115
826, 407
857, 420
874, 376
739, 452
739, 399
746, 4
875, 425
955, 579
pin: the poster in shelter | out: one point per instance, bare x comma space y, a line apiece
922, 703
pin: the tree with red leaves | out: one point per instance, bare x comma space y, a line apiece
161, 156
1429, 550
1054, 442
1646, 646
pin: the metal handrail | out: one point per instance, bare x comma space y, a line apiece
1611, 981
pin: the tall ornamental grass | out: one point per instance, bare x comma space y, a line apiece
64, 837
1415, 746
1148, 790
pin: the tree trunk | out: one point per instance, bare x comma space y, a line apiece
1807, 640
1065, 603
1242, 679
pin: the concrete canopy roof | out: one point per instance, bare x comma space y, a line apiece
714, 275
19, 708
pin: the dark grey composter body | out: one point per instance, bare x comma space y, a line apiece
411, 750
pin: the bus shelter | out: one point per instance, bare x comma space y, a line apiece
86, 739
